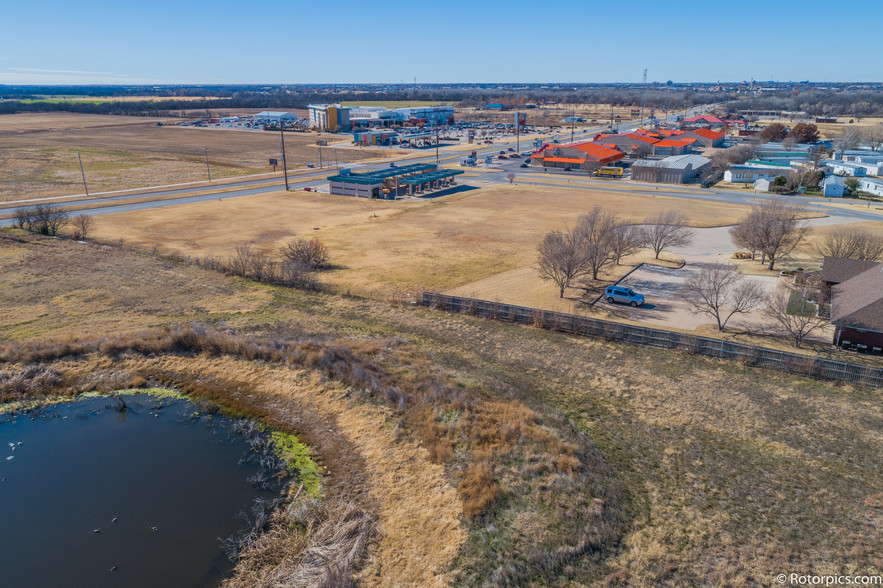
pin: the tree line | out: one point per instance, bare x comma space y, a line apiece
770, 231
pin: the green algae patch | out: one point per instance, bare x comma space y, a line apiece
298, 461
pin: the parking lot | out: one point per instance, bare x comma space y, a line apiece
665, 304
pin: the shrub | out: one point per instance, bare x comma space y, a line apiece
312, 253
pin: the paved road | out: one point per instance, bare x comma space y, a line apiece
171, 196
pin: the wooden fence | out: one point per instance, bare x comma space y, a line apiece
807, 365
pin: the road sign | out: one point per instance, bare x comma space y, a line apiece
274, 163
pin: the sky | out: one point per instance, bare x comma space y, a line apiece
468, 41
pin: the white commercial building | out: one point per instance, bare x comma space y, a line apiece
273, 116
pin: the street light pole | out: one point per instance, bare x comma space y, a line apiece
284, 163
207, 168
572, 120
82, 173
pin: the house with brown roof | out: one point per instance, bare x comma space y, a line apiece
836, 270
857, 311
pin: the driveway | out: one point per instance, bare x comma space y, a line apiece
665, 304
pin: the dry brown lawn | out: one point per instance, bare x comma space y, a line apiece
38, 153
732, 474
443, 244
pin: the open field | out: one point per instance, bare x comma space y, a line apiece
397, 103
38, 153
440, 244
60, 99
684, 471
834, 130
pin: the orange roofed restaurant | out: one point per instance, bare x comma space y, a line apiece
586, 156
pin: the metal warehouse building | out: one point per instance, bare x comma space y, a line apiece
671, 170
273, 116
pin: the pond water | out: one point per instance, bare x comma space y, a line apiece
174, 483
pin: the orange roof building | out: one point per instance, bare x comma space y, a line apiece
672, 147
585, 155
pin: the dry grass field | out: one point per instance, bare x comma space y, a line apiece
673, 470
442, 244
38, 153
834, 130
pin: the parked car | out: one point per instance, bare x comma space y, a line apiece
623, 295
523, 165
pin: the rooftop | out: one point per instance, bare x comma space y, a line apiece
858, 302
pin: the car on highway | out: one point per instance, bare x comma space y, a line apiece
515, 156
502, 157
502, 153
623, 295
523, 165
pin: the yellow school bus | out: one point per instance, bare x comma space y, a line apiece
614, 172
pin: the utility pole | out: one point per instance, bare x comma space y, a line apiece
436, 143
284, 164
207, 168
572, 120
320, 157
82, 173
643, 94
337, 165
517, 133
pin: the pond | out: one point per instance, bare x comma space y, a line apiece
90, 496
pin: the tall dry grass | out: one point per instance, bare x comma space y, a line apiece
502, 457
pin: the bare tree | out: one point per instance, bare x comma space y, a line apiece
852, 243
747, 235
562, 258
720, 292
795, 314
24, 218
874, 137
82, 226
241, 262
311, 252
666, 229
850, 138
596, 232
773, 228
511, 178
625, 240
48, 219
